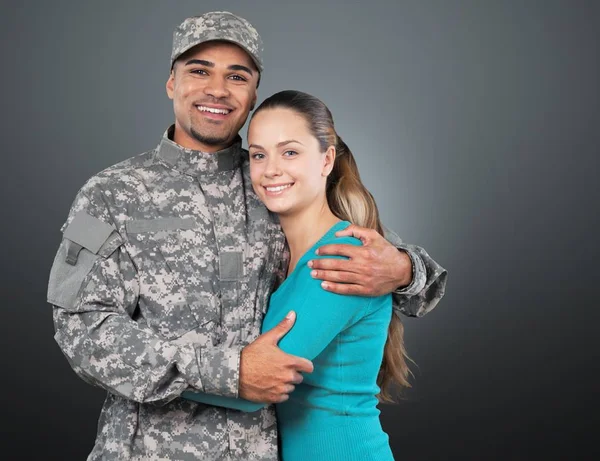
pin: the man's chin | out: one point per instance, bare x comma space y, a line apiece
211, 138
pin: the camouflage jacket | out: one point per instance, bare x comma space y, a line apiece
162, 277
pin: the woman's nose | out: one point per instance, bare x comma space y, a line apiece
273, 168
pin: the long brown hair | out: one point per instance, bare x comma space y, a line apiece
349, 200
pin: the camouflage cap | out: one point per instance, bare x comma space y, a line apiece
217, 25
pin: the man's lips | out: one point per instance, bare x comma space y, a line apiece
214, 111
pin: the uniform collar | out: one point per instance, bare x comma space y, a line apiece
198, 163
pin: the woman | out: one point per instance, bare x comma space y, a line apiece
305, 173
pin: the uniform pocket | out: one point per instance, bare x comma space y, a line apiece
156, 243
66, 279
85, 241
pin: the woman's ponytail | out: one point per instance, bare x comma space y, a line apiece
350, 200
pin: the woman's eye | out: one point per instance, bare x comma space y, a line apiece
290, 153
257, 156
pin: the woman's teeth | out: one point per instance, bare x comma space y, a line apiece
277, 188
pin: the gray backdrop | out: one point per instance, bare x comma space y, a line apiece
475, 125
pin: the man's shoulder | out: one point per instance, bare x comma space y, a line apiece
120, 172
115, 184
128, 166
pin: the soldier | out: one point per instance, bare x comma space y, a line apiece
163, 275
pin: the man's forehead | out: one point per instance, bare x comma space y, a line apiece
219, 52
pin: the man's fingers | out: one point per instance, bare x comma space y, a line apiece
297, 378
288, 388
279, 331
345, 289
282, 398
340, 249
334, 264
362, 233
338, 276
301, 364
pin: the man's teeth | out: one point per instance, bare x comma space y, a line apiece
212, 110
277, 188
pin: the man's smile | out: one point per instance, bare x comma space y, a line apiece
218, 112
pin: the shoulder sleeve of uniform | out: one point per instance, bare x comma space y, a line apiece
87, 236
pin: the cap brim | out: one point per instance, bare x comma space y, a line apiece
219, 39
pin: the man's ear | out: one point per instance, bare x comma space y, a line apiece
328, 161
171, 84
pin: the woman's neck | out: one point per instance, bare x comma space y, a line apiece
303, 229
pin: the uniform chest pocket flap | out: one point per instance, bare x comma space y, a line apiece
138, 226
85, 240
148, 235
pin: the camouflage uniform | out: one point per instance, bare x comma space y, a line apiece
162, 277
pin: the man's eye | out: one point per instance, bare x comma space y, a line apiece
239, 78
198, 71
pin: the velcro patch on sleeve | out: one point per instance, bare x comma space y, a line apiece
87, 231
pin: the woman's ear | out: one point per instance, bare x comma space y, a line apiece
328, 161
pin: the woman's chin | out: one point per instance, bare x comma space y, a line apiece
276, 209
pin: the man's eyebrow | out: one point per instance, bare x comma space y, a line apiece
205, 63
279, 144
202, 62
240, 67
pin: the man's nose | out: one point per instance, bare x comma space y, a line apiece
217, 88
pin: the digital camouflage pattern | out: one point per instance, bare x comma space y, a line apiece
428, 284
168, 301
162, 277
217, 25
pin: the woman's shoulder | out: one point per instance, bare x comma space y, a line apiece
330, 238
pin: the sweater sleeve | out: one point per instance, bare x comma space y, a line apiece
222, 401
320, 315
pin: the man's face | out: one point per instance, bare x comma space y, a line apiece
213, 88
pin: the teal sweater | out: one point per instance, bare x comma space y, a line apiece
333, 414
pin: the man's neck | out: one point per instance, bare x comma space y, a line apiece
181, 138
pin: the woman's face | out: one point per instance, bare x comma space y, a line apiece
287, 169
